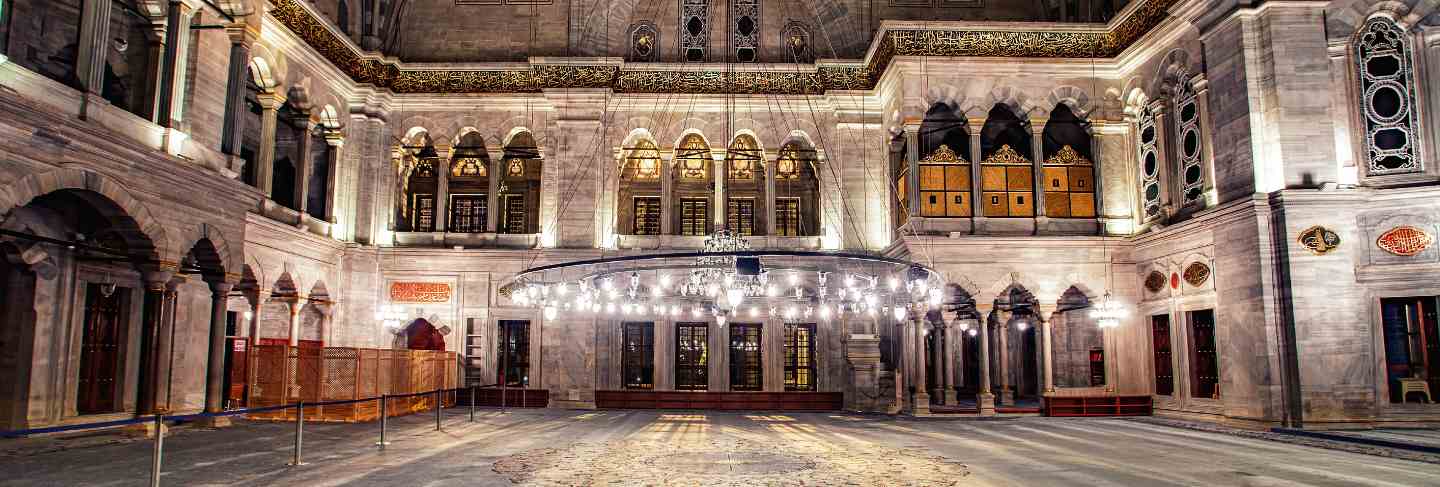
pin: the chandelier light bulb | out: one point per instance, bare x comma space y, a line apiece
734, 296
849, 280
772, 290
790, 313
729, 280
824, 312
627, 308
640, 309
899, 313
720, 319
935, 298
794, 278
551, 312
1022, 325
610, 308
665, 281
594, 307
894, 283
973, 332
656, 292
562, 289
870, 300
695, 312
754, 312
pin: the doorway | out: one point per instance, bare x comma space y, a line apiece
101, 348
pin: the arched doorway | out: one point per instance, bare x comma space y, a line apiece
81, 244
421, 335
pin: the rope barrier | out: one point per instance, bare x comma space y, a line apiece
194, 416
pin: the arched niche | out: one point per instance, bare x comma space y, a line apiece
520, 186
692, 186
1069, 170
745, 187
469, 181
797, 190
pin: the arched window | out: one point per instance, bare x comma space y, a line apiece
692, 186
129, 83
796, 40
46, 37
745, 187
289, 133
797, 191
1007, 177
694, 33
1387, 96
1069, 171
644, 42
746, 40
520, 186
250, 140
420, 180
469, 185
944, 164
1149, 165
1188, 137
639, 193
317, 195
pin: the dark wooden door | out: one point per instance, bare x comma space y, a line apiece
101, 348
236, 371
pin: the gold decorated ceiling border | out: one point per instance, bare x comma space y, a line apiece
904, 42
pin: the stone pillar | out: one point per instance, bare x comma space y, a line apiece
951, 335
91, 47
938, 359
921, 406
233, 135
977, 207
295, 307
165, 352
257, 299
336, 140
170, 95
1097, 134
912, 163
769, 168
270, 104
215, 366
492, 199
721, 215
1007, 390
985, 400
1047, 350
153, 317
666, 198
304, 165
863, 353
442, 185
1037, 163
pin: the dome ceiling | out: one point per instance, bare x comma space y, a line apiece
769, 31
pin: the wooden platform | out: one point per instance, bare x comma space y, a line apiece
1097, 406
724, 401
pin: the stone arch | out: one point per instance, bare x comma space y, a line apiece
1173, 71
1135, 99
1013, 98
687, 133
1075, 97
265, 68
216, 240
329, 116
26, 189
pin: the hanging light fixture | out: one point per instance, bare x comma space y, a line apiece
1109, 313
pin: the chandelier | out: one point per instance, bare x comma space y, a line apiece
1108, 313
728, 280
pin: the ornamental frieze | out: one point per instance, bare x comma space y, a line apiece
919, 42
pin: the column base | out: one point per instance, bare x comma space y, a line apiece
921, 407
1007, 397
987, 404
145, 430
939, 395
216, 422
955, 395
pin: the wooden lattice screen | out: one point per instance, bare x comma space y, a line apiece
281, 374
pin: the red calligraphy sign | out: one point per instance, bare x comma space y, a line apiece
419, 292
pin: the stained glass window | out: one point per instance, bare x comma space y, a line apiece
468, 213
694, 216
647, 216
1188, 142
746, 373
1383, 57
637, 356
1149, 165
740, 216
787, 217
692, 361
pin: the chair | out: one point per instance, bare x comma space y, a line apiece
1414, 384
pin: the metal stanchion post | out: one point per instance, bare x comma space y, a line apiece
159, 450
299, 432
472, 403
382, 442
438, 404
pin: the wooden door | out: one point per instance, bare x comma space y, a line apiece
236, 371
101, 348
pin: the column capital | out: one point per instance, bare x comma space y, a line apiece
912, 126
242, 34
334, 138
1037, 125
270, 100
221, 288
156, 280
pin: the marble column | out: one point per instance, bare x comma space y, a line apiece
233, 134
153, 315
938, 360
1047, 350
305, 164
270, 104
977, 183
442, 186
257, 299
215, 365
950, 335
922, 398
1097, 138
492, 200
92, 46
720, 216
295, 307
1037, 164
1007, 391
985, 400
667, 211
769, 170
165, 351
170, 95
912, 164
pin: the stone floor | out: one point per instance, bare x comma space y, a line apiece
684, 448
